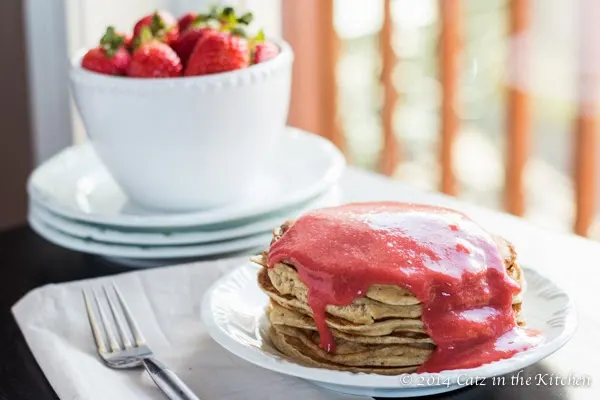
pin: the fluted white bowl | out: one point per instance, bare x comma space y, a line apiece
185, 143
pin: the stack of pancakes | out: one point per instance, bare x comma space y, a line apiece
379, 333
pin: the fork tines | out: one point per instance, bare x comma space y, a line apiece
102, 328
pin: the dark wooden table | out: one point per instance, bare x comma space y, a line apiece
27, 261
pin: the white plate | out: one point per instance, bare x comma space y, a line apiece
148, 252
76, 185
233, 311
174, 236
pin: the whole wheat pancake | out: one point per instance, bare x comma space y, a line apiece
381, 332
300, 350
399, 331
357, 354
284, 285
287, 281
285, 316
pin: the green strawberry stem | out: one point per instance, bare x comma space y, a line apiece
201, 18
260, 36
246, 19
157, 26
228, 14
257, 39
224, 19
237, 30
145, 35
111, 41
215, 13
203, 21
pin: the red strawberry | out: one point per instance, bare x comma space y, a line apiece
98, 61
186, 42
218, 52
186, 20
162, 24
264, 51
128, 42
110, 57
154, 59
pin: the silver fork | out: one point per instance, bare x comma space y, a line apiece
125, 354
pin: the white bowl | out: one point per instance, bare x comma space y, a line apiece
186, 143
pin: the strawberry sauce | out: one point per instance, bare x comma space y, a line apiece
446, 260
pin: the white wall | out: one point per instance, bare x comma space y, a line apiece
47, 74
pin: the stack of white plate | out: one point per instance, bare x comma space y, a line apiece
75, 203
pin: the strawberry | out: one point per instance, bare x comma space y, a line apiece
128, 41
201, 25
98, 61
264, 51
186, 20
224, 19
261, 49
187, 41
162, 24
218, 52
228, 17
154, 59
110, 57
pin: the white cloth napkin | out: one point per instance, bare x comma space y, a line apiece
166, 304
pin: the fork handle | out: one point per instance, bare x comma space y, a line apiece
168, 381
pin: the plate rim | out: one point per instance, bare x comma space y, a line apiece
138, 252
337, 165
353, 379
174, 236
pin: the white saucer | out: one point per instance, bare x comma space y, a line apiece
233, 311
74, 184
111, 250
174, 236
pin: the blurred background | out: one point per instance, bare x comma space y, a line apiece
491, 101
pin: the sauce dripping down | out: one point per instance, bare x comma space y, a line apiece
446, 260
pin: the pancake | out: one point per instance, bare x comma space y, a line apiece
391, 331
355, 354
286, 287
390, 294
297, 350
381, 332
283, 285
